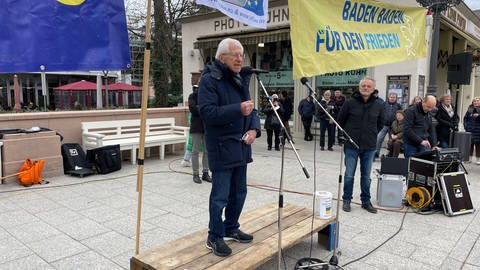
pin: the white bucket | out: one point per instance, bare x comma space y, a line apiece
323, 204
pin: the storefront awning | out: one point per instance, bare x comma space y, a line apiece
245, 38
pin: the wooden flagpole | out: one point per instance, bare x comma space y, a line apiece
143, 120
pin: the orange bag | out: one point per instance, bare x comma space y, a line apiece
30, 172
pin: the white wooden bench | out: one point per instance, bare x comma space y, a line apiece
159, 132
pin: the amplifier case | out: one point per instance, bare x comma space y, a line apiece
390, 190
455, 191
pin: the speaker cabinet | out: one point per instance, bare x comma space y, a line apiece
460, 68
455, 191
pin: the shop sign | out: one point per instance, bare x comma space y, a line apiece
277, 79
343, 78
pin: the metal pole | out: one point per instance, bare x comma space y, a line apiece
432, 79
44, 87
105, 73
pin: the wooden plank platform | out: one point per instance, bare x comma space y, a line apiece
190, 253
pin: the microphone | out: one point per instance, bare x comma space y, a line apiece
307, 84
250, 70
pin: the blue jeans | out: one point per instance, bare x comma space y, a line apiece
410, 150
380, 137
366, 159
229, 190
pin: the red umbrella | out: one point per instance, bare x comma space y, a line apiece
81, 85
16, 92
124, 87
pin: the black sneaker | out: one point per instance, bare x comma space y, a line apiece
206, 177
369, 207
346, 206
239, 236
196, 179
218, 247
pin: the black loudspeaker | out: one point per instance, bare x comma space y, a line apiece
74, 160
460, 68
106, 159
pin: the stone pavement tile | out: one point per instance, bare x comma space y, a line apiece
56, 247
60, 193
302, 250
157, 237
79, 203
398, 247
127, 226
110, 244
95, 192
463, 246
123, 259
470, 267
118, 201
148, 211
35, 231
375, 236
83, 228
112, 184
474, 256
3, 233
102, 213
176, 224
451, 263
157, 200
475, 225
38, 205
183, 209
287, 263
24, 195
31, 262
59, 216
130, 191
7, 205
16, 218
390, 261
198, 199
89, 260
429, 256
11, 249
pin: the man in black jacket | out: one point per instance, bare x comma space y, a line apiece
419, 134
361, 117
198, 138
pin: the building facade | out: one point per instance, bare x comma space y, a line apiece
270, 49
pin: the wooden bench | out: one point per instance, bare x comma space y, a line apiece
159, 132
189, 252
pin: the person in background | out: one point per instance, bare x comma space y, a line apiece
188, 150
339, 101
395, 141
272, 123
231, 126
471, 122
361, 117
418, 132
198, 138
287, 105
326, 124
377, 97
415, 101
389, 110
447, 121
306, 109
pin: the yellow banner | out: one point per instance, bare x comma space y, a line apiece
337, 35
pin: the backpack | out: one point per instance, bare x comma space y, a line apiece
30, 172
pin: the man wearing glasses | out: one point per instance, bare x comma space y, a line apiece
231, 126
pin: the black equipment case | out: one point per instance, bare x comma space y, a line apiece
455, 192
74, 160
106, 159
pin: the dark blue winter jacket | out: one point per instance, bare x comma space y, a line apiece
472, 123
219, 99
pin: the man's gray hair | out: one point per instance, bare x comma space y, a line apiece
366, 78
224, 46
393, 93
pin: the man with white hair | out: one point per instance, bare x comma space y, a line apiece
231, 126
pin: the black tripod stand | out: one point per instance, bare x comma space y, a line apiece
280, 189
333, 259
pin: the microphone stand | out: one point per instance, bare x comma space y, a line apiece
280, 189
334, 259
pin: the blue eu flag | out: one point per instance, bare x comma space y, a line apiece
63, 35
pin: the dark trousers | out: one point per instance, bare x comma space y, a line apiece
270, 135
477, 149
229, 190
330, 128
307, 123
394, 148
